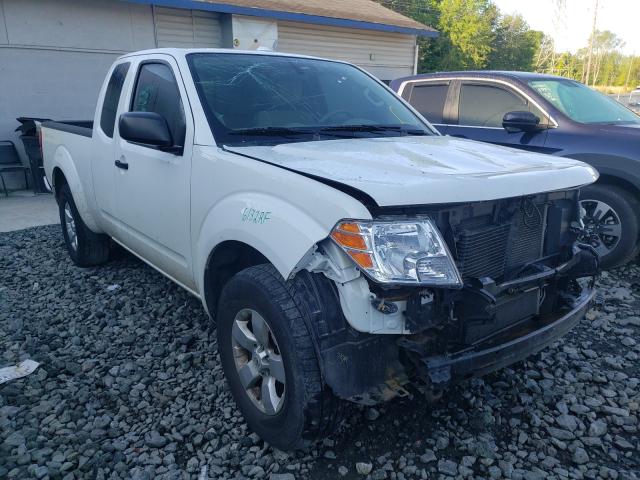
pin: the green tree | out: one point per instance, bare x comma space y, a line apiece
467, 33
515, 44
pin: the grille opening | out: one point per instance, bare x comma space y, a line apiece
485, 248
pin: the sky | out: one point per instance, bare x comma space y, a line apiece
620, 16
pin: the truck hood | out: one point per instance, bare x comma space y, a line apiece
416, 170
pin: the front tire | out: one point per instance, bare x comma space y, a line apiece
85, 247
611, 222
270, 362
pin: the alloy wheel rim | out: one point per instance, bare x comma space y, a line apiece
603, 228
258, 361
70, 225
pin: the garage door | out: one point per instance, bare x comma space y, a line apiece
386, 55
187, 28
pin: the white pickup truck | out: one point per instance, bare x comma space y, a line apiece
344, 249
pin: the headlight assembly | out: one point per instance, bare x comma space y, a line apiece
402, 252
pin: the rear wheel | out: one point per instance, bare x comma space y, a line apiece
611, 223
85, 247
269, 359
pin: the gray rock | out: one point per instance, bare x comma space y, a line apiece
580, 456
151, 363
428, 456
448, 467
560, 434
15, 439
364, 468
495, 472
567, 422
155, 440
372, 414
597, 428
282, 476
622, 443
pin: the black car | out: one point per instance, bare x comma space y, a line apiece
553, 115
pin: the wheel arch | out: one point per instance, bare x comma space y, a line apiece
614, 180
59, 180
224, 261
65, 172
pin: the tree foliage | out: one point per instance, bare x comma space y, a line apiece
515, 45
468, 28
475, 35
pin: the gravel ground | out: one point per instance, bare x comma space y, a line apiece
130, 387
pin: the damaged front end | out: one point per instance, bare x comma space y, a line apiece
525, 282
521, 264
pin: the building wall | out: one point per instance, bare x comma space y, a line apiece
54, 54
385, 55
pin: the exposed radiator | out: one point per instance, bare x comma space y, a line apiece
528, 237
481, 252
487, 249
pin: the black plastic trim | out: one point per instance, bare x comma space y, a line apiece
77, 127
442, 370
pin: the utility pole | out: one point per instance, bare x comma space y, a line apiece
626, 82
591, 40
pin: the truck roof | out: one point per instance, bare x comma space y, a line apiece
181, 52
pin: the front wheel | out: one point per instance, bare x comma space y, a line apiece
269, 359
85, 247
611, 223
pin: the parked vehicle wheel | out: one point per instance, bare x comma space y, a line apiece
611, 223
269, 359
85, 247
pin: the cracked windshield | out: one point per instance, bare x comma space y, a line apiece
266, 100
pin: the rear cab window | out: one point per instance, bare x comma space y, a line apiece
484, 104
112, 98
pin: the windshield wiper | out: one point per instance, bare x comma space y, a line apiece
273, 131
287, 132
372, 128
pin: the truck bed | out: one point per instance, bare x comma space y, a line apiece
78, 127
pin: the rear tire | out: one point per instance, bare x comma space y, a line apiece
307, 409
611, 209
85, 247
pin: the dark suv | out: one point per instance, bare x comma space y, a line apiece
553, 115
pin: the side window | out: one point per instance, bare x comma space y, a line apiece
485, 105
429, 100
111, 99
157, 91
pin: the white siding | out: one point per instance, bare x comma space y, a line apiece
386, 55
96, 25
187, 28
54, 55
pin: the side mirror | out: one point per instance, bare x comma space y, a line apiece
147, 128
521, 122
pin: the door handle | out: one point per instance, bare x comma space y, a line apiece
122, 165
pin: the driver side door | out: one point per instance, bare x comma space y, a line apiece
153, 186
479, 107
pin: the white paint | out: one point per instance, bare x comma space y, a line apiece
423, 170
173, 211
